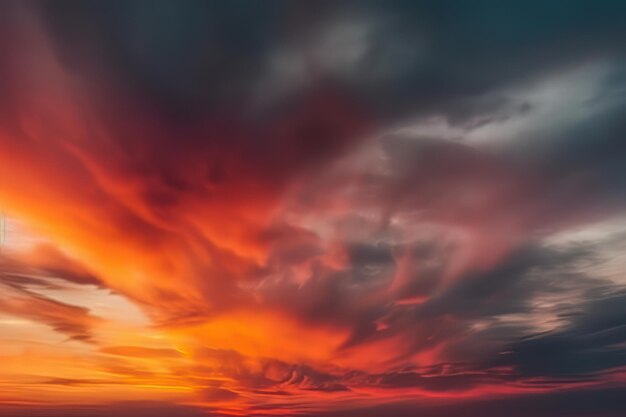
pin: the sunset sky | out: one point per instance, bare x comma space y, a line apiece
313, 208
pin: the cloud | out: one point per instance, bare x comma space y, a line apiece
140, 352
605, 402
73, 321
316, 207
590, 345
18, 300
138, 408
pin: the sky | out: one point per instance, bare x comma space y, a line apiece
313, 208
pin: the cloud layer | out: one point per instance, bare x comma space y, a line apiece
312, 209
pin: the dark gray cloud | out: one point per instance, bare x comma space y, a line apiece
397, 56
593, 343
